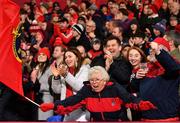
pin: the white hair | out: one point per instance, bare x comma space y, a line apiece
98, 69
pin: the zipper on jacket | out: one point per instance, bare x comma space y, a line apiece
102, 115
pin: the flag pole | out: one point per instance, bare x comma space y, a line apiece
32, 101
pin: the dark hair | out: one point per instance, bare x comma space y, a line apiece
112, 38
123, 11
76, 52
143, 56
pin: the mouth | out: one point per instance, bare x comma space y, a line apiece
133, 62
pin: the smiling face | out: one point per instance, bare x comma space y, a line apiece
58, 52
113, 47
96, 82
42, 58
134, 58
70, 59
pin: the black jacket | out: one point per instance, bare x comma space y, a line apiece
120, 69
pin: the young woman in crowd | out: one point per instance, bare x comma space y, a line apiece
39, 77
157, 88
68, 79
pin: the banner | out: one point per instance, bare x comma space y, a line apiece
10, 63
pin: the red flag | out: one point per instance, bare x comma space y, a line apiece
10, 64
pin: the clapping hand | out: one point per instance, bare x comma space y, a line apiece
109, 59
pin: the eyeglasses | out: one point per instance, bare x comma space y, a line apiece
95, 80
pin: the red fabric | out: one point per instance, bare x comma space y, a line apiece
142, 106
104, 104
133, 106
154, 69
161, 120
46, 106
10, 64
146, 105
66, 110
94, 53
44, 50
162, 41
158, 3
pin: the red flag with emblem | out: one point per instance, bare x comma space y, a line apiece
10, 64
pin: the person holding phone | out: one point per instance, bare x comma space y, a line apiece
162, 89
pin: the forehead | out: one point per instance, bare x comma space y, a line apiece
134, 51
112, 41
69, 53
96, 74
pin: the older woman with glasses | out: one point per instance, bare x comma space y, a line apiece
102, 98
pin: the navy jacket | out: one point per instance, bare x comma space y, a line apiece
162, 90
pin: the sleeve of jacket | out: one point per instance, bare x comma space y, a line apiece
126, 96
76, 82
57, 85
169, 64
72, 103
120, 72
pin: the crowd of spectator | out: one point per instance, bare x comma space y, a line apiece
136, 43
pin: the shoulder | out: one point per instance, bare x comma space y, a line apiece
85, 67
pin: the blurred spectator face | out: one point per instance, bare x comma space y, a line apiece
113, 47
174, 7
39, 36
26, 7
82, 6
170, 2
164, 6
104, 10
82, 51
63, 25
96, 46
110, 27
81, 22
90, 26
110, 4
29, 56
75, 33
68, 16
122, 5
134, 58
91, 12
173, 22
133, 27
138, 40
125, 51
117, 32
150, 11
42, 58
58, 52
145, 9
156, 32
114, 8
118, 16
70, 59
23, 17
72, 11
